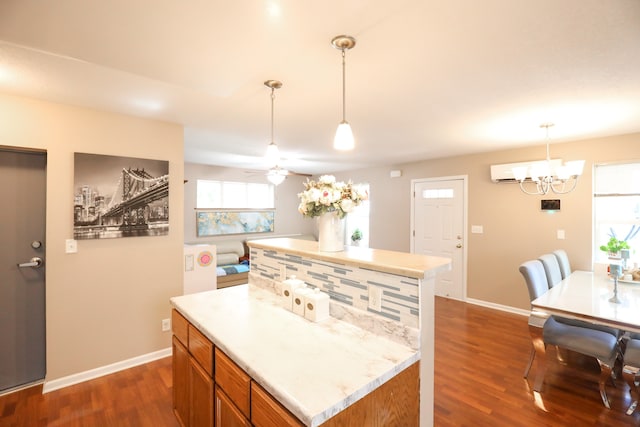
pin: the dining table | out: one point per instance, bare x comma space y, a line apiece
588, 296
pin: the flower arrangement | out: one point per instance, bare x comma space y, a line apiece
327, 195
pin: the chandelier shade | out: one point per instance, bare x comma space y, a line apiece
541, 177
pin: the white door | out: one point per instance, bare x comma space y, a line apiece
438, 229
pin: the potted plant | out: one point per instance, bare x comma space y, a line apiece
356, 236
614, 247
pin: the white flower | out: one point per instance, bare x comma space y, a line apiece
327, 195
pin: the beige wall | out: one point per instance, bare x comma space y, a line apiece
515, 229
105, 303
287, 218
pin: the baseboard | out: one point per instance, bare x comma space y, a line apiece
104, 370
500, 307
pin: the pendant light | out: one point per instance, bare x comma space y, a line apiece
344, 136
276, 175
273, 154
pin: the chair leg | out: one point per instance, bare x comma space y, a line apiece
605, 373
630, 373
540, 353
531, 357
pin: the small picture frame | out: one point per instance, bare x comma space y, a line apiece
550, 205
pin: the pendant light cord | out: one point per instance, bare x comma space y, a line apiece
273, 96
344, 90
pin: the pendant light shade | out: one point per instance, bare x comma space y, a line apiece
344, 136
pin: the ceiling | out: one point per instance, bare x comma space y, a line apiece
426, 79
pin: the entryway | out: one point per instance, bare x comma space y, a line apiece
22, 267
438, 222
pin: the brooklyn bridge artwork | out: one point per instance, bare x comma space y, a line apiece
119, 197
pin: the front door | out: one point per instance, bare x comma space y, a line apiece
438, 224
22, 271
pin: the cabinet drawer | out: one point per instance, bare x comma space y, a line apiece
234, 381
179, 325
267, 412
201, 349
227, 415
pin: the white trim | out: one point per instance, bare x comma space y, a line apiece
104, 370
500, 307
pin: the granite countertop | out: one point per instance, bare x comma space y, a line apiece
314, 369
400, 263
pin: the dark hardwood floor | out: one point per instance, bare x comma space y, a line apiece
480, 357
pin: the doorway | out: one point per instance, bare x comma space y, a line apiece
22, 268
438, 220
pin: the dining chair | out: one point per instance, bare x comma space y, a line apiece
552, 269
546, 330
563, 262
631, 370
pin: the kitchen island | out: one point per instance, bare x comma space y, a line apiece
340, 371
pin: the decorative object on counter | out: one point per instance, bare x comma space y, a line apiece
614, 247
331, 201
299, 295
288, 288
615, 270
356, 236
316, 306
548, 178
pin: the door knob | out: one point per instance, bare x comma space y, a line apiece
35, 262
459, 245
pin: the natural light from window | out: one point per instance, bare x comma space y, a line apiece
234, 195
616, 204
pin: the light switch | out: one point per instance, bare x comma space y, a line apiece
71, 246
560, 234
477, 229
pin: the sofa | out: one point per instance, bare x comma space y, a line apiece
232, 263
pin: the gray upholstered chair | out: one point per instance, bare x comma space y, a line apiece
545, 330
563, 262
631, 370
552, 269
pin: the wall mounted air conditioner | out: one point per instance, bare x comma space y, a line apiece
504, 172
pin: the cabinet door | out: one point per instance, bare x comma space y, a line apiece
180, 382
201, 396
234, 381
266, 412
227, 415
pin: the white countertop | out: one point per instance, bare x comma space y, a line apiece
400, 263
314, 369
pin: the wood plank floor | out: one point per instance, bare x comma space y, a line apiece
480, 357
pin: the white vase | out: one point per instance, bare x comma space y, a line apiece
330, 232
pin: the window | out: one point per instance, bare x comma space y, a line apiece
616, 202
359, 219
234, 195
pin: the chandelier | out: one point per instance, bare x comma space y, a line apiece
344, 136
547, 175
276, 174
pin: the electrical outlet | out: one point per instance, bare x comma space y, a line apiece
375, 298
166, 325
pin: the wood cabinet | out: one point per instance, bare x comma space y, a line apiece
192, 374
267, 412
228, 414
